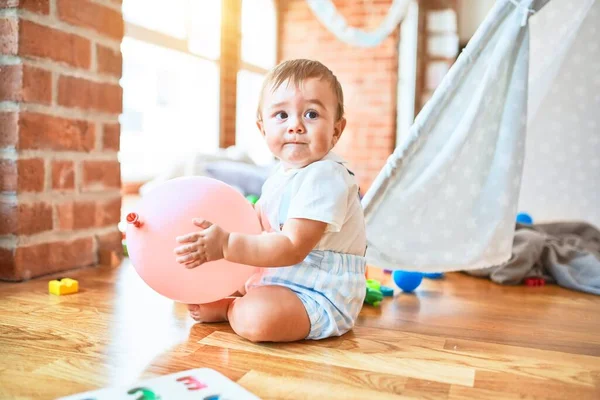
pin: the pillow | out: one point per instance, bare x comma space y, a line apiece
248, 178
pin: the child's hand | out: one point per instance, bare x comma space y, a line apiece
203, 246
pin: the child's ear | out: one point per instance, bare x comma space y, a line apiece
338, 129
259, 124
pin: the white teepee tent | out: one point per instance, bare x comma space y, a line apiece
447, 198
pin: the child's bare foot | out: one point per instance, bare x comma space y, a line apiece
211, 312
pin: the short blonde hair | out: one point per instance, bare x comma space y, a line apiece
296, 72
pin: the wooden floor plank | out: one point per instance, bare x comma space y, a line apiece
407, 367
281, 387
241, 362
457, 338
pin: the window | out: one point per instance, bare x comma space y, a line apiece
170, 84
259, 54
171, 75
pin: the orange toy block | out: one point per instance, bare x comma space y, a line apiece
63, 286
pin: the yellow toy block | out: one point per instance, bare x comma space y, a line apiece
63, 286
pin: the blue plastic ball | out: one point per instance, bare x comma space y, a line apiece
407, 281
524, 218
434, 275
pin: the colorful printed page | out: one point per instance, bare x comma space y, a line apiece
199, 384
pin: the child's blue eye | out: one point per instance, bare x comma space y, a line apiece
281, 115
311, 114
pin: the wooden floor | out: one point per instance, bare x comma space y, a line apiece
457, 338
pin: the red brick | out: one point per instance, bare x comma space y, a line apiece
26, 175
46, 258
109, 61
9, 36
31, 175
8, 175
7, 263
10, 82
25, 219
8, 218
108, 212
36, 6
76, 215
25, 83
110, 248
88, 214
9, 129
103, 20
45, 132
37, 85
34, 218
63, 175
85, 94
111, 138
31, 261
44, 42
110, 241
101, 175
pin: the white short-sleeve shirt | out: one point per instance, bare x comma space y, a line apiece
322, 191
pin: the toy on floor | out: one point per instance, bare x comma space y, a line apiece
373, 297
524, 218
433, 275
252, 198
534, 281
386, 291
62, 286
373, 284
376, 285
376, 292
168, 211
408, 281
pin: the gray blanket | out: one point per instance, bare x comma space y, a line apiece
566, 253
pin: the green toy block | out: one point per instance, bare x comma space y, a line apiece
373, 284
373, 297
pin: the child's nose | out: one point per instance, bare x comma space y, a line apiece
295, 126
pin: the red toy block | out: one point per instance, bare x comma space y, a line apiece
535, 281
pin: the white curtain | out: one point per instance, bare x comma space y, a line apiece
447, 198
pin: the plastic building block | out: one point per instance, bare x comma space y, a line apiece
63, 286
373, 284
434, 275
532, 281
386, 291
373, 297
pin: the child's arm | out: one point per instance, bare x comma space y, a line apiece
291, 246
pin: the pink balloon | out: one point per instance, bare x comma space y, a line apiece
167, 212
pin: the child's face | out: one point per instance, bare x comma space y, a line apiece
299, 123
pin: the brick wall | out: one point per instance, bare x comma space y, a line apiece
60, 98
369, 76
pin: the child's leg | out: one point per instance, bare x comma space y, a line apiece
216, 311
269, 314
211, 312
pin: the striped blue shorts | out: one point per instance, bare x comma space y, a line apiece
331, 286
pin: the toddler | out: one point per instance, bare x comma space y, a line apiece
312, 284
